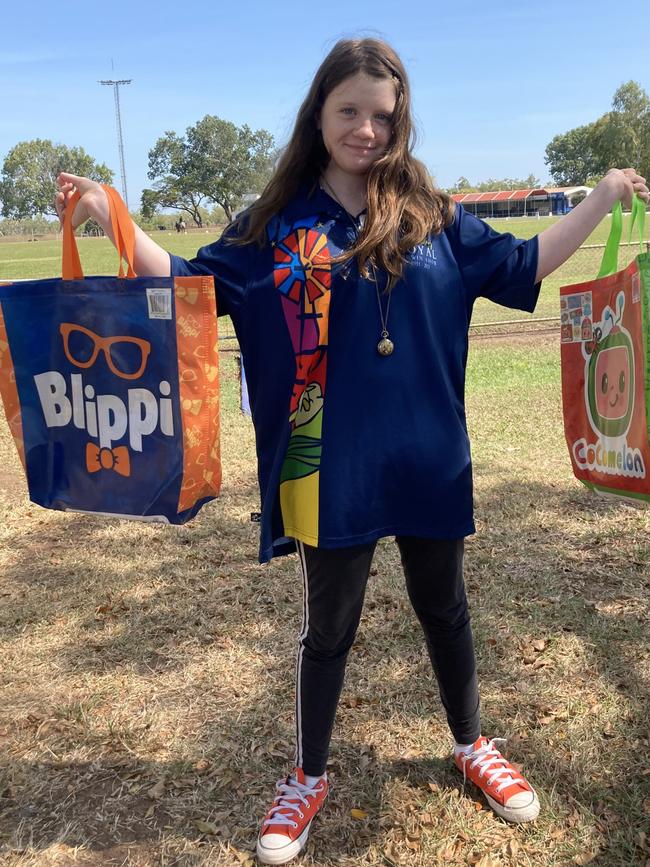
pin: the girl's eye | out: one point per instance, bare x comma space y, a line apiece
384, 118
347, 110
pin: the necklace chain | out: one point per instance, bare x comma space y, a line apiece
385, 345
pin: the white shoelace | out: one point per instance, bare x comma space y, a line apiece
287, 793
485, 758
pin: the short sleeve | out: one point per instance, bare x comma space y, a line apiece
228, 263
495, 265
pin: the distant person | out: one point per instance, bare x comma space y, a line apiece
181, 225
350, 284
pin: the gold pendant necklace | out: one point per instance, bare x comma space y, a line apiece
385, 346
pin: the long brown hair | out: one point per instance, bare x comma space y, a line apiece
403, 207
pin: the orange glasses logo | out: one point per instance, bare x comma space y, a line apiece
105, 417
126, 357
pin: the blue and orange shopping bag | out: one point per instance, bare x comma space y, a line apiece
605, 351
111, 386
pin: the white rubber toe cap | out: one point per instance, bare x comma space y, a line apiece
278, 848
522, 807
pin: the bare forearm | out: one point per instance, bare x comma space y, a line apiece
560, 241
150, 259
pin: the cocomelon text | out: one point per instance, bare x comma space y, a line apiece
105, 415
624, 461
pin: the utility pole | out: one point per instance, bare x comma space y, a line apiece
120, 141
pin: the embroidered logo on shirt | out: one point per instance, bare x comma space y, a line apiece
424, 255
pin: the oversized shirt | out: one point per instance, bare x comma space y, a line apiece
353, 445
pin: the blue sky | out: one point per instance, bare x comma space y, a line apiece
492, 82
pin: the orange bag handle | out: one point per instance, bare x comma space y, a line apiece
123, 231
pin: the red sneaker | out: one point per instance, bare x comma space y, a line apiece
507, 792
286, 826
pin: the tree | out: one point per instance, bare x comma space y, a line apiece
619, 138
529, 183
29, 172
630, 121
216, 162
462, 185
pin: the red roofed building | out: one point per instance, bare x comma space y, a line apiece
522, 203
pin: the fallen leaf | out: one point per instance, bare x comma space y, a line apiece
512, 848
540, 644
411, 754
447, 852
205, 827
202, 766
428, 819
356, 813
157, 791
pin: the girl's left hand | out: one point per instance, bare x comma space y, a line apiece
626, 182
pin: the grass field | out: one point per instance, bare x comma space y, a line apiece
147, 672
25, 259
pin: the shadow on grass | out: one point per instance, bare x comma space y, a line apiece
549, 564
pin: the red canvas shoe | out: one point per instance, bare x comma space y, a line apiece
507, 792
286, 826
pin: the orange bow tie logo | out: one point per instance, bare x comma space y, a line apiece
116, 459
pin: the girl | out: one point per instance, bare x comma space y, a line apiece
350, 284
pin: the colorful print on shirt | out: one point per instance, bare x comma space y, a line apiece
302, 274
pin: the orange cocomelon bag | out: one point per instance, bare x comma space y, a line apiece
111, 388
605, 338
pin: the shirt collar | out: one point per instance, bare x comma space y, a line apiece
311, 200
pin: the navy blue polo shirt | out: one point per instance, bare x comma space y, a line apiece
353, 445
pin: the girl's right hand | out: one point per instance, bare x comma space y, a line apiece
93, 202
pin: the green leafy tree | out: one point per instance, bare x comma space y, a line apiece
29, 172
619, 138
492, 185
462, 185
630, 123
576, 155
216, 162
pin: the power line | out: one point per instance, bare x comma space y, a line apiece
120, 141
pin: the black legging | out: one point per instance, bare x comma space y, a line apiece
334, 587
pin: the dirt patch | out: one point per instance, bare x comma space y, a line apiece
12, 483
534, 337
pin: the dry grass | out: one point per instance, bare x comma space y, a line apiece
147, 673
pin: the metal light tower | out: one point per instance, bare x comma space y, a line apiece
120, 142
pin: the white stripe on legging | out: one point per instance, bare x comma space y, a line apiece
303, 633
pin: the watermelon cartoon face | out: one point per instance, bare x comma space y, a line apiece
610, 386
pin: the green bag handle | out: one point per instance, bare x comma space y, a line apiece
609, 264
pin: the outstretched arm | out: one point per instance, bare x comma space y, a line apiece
150, 259
562, 239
